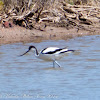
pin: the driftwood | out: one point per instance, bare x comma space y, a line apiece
61, 15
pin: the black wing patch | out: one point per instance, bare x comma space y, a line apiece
51, 52
67, 51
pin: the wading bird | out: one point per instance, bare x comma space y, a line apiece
49, 54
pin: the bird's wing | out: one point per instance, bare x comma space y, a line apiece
50, 50
63, 50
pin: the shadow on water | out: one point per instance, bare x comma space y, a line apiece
52, 68
30, 78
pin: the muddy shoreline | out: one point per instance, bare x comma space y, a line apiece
20, 34
48, 21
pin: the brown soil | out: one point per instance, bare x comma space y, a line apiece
48, 20
20, 34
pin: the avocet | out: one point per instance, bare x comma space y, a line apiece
50, 54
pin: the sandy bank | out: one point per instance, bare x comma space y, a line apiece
20, 34
58, 20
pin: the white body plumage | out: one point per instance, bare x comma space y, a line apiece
51, 53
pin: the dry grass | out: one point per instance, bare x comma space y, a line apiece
50, 2
63, 13
84, 2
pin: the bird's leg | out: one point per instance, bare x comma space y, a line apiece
57, 63
53, 64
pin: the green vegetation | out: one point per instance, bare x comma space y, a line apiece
70, 2
84, 2
1, 3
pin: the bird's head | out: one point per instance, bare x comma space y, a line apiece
29, 49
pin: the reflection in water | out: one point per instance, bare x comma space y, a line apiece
51, 68
30, 78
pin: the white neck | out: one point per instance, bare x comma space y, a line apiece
36, 52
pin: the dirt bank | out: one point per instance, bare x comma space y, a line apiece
20, 34
53, 19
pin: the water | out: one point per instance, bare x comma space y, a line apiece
28, 78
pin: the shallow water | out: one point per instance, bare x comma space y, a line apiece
30, 78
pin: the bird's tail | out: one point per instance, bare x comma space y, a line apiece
67, 51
